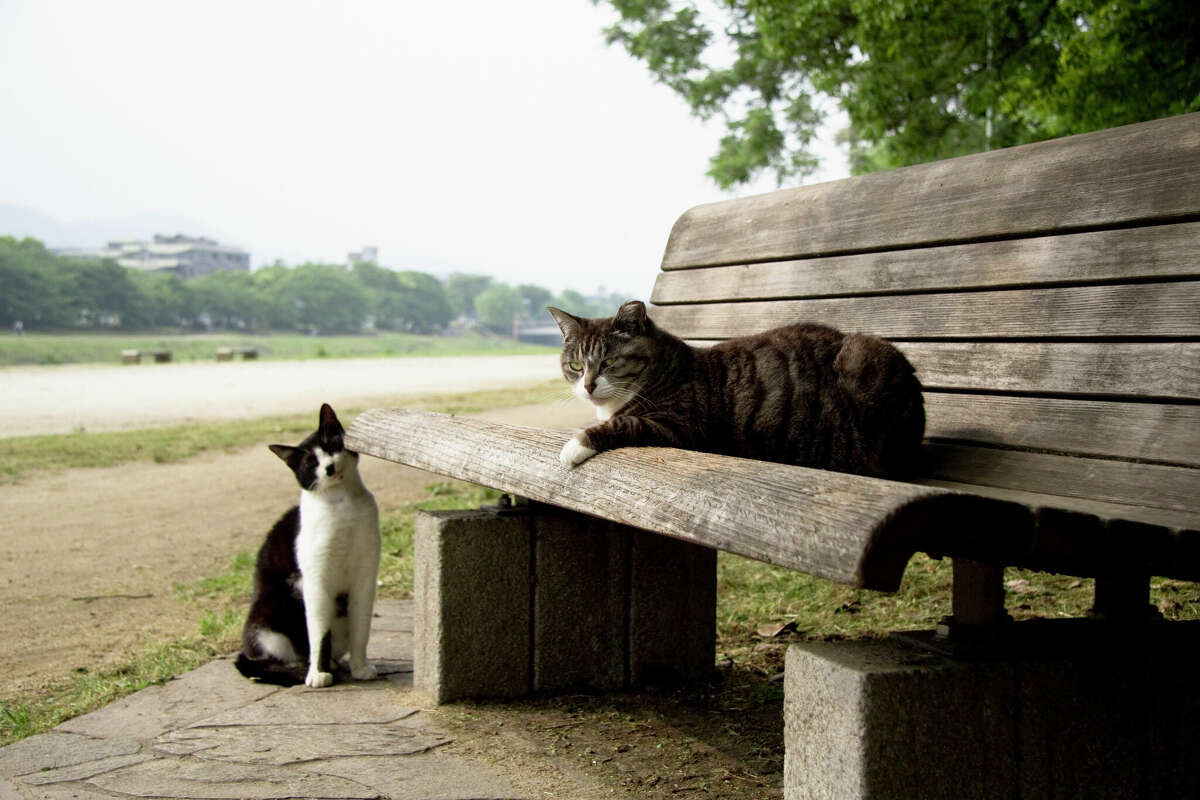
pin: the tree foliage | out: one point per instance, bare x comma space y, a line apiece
47, 291
919, 79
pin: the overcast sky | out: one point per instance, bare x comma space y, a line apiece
502, 138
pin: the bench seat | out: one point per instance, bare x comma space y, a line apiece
847, 528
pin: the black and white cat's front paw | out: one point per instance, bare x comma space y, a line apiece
317, 679
577, 450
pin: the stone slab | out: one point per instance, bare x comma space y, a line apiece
280, 745
202, 780
57, 750
155, 710
80, 772
369, 702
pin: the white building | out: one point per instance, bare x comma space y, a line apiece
367, 254
185, 256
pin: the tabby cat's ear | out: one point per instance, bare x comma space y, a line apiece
568, 324
631, 317
282, 450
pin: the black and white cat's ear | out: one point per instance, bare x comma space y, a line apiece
631, 317
331, 429
567, 323
283, 451
329, 419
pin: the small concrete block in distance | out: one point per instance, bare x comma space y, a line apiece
880, 720
471, 586
672, 609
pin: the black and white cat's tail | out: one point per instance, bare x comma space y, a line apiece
270, 670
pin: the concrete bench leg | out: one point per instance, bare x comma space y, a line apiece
884, 720
549, 601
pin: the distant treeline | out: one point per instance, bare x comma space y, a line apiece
49, 292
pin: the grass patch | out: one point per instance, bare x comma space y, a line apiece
105, 348
86, 691
753, 596
22, 455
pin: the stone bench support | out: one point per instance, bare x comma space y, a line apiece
508, 604
883, 720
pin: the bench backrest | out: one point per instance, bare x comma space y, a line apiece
1048, 295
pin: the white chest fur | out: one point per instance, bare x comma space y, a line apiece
337, 550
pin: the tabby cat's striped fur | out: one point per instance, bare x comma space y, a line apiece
801, 394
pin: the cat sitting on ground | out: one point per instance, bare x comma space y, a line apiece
800, 394
314, 581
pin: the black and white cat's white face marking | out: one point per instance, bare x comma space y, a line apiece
321, 460
604, 359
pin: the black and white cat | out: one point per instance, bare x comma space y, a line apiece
314, 581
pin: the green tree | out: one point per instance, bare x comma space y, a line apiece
496, 306
534, 298
919, 79
230, 299
424, 307
169, 300
573, 302
461, 291
319, 297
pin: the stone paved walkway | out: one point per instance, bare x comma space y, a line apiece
214, 734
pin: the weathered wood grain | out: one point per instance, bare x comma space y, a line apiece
1136, 173
1085, 312
1161, 251
847, 528
1102, 429
1127, 482
1154, 369
1081, 540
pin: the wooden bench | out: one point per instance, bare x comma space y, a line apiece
227, 353
160, 356
1049, 297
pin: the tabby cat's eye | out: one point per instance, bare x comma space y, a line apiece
606, 363
575, 365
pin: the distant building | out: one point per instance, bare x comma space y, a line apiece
185, 256
367, 254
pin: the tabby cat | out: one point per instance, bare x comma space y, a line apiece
800, 394
314, 581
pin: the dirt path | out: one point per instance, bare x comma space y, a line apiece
89, 557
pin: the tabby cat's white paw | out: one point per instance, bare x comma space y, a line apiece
575, 451
364, 673
318, 680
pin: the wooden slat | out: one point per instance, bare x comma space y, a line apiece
1157, 369
1148, 171
1075, 536
1140, 431
847, 528
1130, 483
1161, 251
1087, 312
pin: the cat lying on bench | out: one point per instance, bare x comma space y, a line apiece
800, 394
